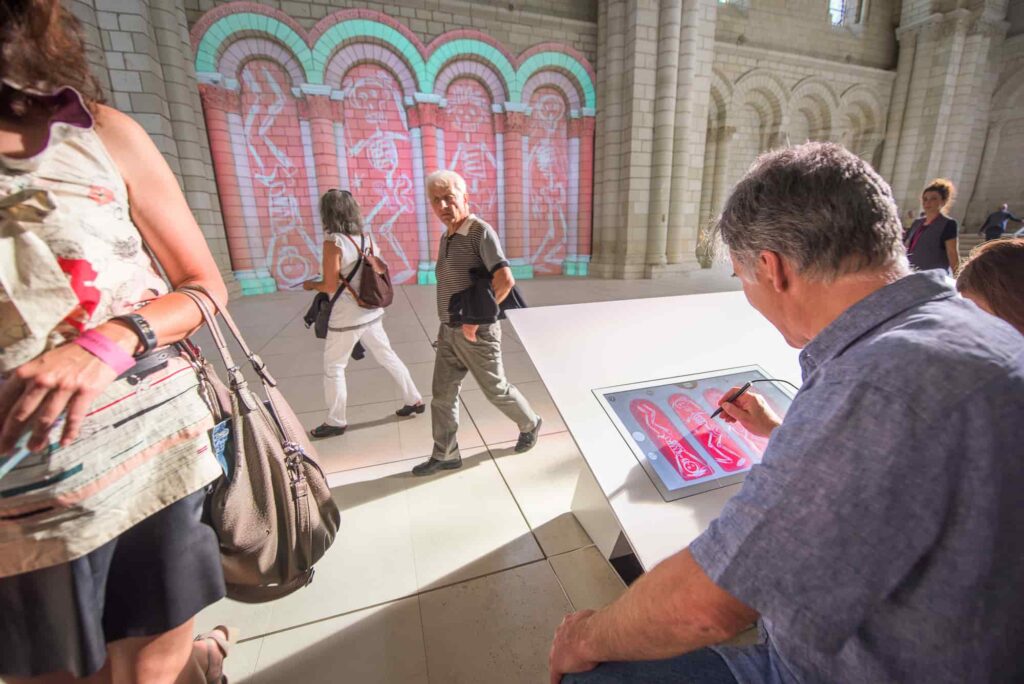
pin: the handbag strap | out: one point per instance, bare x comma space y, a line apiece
351, 274
361, 247
237, 379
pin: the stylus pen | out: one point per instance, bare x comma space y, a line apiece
736, 395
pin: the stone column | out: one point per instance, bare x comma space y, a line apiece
321, 113
585, 220
516, 234
669, 24
425, 116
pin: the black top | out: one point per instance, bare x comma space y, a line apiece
926, 243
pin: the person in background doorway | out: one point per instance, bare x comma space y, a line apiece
993, 278
932, 240
344, 243
995, 223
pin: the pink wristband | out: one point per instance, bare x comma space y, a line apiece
101, 346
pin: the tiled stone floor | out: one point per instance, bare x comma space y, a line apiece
461, 577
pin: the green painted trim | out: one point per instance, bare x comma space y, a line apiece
463, 47
522, 271
426, 273
255, 286
576, 267
327, 44
224, 28
560, 60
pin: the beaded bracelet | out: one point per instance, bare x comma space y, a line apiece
103, 348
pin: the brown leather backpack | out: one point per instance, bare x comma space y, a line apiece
375, 289
273, 512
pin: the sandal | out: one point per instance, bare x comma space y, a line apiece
210, 649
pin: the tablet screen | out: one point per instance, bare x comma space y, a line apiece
667, 425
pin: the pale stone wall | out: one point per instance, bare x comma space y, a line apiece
803, 27
139, 49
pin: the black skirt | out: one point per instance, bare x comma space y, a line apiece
147, 581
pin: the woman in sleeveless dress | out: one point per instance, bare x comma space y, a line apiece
104, 451
932, 241
350, 323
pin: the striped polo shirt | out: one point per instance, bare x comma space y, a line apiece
473, 245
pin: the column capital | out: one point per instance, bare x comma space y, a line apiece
317, 107
516, 122
215, 97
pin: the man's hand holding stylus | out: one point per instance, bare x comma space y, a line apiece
751, 411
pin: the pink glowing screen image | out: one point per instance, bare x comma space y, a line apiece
667, 425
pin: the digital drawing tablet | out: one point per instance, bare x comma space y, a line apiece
666, 423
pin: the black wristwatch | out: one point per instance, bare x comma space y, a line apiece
140, 326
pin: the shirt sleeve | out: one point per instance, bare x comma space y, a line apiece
490, 250
844, 504
950, 231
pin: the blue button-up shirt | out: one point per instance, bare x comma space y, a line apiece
881, 537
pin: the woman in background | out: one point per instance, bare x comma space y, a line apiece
344, 242
993, 278
932, 241
104, 560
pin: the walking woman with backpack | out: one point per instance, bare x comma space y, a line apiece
345, 245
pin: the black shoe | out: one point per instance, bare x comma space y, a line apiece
527, 440
410, 409
325, 430
432, 465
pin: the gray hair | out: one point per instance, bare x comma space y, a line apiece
339, 213
446, 179
820, 206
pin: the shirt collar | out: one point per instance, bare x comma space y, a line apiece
870, 312
464, 228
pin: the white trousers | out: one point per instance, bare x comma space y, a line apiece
336, 357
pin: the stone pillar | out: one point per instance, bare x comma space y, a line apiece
579, 264
516, 235
941, 99
424, 116
322, 112
669, 21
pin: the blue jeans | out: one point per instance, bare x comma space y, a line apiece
699, 667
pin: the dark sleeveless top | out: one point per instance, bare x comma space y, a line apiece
926, 245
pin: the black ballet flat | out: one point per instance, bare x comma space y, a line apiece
410, 409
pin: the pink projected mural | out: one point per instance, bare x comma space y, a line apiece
379, 148
470, 145
359, 102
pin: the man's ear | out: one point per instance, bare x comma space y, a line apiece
776, 270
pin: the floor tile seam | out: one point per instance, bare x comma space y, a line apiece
511, 441
561, 585
278, 331
519, 506
402, 597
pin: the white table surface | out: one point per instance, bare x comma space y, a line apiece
580, 347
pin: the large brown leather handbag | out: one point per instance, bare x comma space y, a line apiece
273, 511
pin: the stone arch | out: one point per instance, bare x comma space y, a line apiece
862, 122
561, 58
479, 71
814, 105
358, 53
237, 53
556, 80
463, 46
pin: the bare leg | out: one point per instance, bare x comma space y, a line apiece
163, 659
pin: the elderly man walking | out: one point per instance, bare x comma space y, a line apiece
995, 223
469, 244
879, 540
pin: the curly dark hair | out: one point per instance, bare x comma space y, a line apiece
945, 189
42, 47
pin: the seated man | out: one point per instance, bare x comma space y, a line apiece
880, 538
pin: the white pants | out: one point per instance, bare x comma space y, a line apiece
337, 354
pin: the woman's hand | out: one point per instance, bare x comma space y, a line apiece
751, 411
38, 392
310, 285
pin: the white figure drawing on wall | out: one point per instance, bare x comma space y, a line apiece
277, 175
372, 100
468, 112
547, 158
